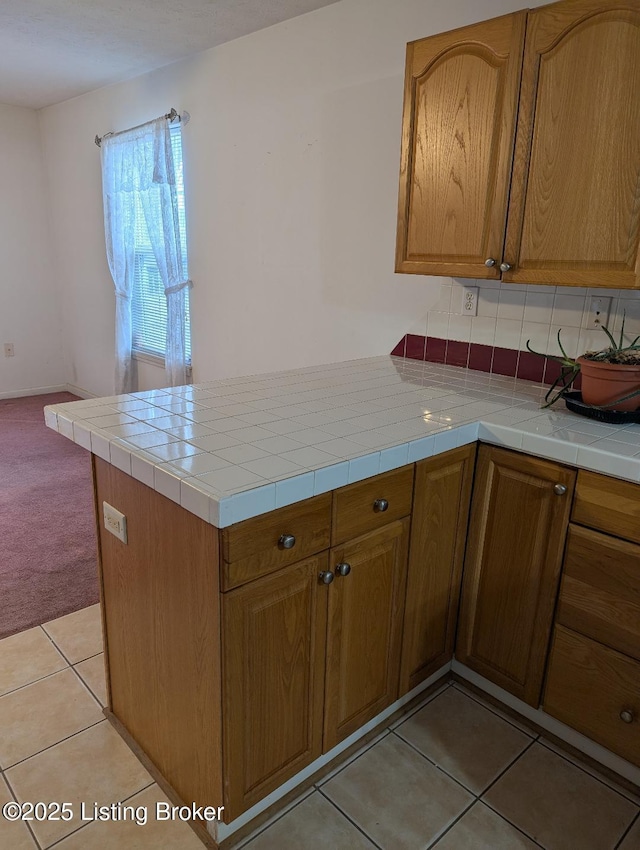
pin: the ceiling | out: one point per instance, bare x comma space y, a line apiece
52, 50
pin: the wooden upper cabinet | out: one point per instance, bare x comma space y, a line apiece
460, 101
563, 80
519, 518
574, 213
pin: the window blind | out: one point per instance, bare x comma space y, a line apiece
148, 301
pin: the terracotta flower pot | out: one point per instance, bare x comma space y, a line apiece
604, 383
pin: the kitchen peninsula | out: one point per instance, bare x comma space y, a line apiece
270, 520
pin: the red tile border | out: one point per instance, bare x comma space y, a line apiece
481, 358
457, 353
415, 346
436, 350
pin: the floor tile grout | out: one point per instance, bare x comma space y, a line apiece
599, 778
26, 823
636, 820
351, 821
51, 746
85, 825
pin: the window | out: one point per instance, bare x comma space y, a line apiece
148, 302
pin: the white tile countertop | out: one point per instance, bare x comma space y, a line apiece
232, 449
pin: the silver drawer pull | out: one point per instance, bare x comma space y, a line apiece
286, 541
343, 569
380, 505
626, 715
326, 577
559, 489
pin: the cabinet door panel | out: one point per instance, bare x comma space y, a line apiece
436, 553
512, 568
574, 213
457, 140
273, 671
364, 629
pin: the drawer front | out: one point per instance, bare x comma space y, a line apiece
596, 690
357, 507
600, 592
256, 546
607, 504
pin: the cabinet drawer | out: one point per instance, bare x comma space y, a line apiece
256, 547
595, 690
356, 508
608, 504
600, 592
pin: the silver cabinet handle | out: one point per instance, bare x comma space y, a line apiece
286, 541
559, 489
626, 715
504, 267
489, 262
343, 569
380, 505
326, 577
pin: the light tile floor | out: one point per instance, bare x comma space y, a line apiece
455, 774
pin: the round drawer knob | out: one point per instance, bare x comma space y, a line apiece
326, 577
626, 715
380, 505
343, 569
505, 267
559, 489
286, 541
489, 262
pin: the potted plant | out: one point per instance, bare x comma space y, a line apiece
610, 376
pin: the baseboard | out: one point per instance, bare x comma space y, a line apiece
71, 388
58, 388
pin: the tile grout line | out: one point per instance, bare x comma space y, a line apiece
86, 684
26, 823
636, 820
495, 711
600, 779
58, 841
61, 741
434, 764
352, 822
273, 820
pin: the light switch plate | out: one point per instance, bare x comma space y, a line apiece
114, 521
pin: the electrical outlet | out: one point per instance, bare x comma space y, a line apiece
470, 301
597, 312
114, 521
8, 349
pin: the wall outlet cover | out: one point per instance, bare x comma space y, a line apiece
114, 521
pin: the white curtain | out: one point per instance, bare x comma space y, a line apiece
138, 174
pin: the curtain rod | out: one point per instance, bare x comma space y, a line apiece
173, 115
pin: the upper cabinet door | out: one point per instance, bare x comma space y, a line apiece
460, 103
574, 212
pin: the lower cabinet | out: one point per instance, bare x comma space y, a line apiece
519, 519
364, 631
237, 657
441, 500
593, 680
274, 632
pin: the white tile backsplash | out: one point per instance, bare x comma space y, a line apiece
508, 315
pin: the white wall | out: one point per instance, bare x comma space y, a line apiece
291, 167
29, 313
